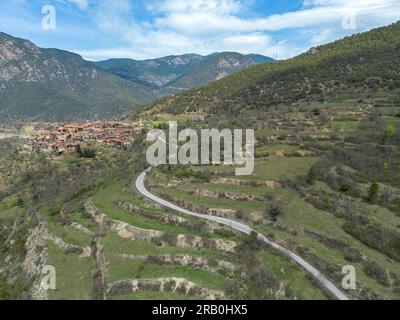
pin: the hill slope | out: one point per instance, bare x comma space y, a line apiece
176, 73
355, 66
54, 85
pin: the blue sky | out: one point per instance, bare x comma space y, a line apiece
101, 29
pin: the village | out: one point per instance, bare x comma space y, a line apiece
67, 138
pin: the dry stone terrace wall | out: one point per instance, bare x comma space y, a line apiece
177, 285
187, 241
124, 230
128, 231
170, 219
186, 260
237, 182
36, 259
225, 195
255, 217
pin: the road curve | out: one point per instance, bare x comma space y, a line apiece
244, 229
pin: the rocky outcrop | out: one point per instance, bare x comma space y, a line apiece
177, 285
36, 259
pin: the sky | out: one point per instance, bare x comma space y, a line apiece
139, 29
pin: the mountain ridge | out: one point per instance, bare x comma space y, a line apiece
354, 65
53, 85
176, 73
57, 85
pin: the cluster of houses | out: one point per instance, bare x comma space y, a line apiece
66, 138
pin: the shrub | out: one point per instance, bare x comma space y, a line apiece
346, 187
373, 193
275, 213
89, 153
317, 112
312, 176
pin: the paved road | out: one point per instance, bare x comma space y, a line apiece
244, 229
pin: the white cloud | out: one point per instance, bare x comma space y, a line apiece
248, 39
82, 4
206, 26
363, 15
183, 6
314, 13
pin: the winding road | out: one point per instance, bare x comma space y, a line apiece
244, 229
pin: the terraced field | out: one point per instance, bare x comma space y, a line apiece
119, 246
310, 193
134, 245
313, 216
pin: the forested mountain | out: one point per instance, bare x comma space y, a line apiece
155, 73
176, 73
53, 85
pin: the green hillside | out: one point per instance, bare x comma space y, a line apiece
355, 67
326, 183
326, 186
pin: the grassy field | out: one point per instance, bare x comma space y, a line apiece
121, 269
70, 235
270, 169
300, 219
105, 201
292, 171
292, 276
9, 215
74, 275
299, 216
113, 244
